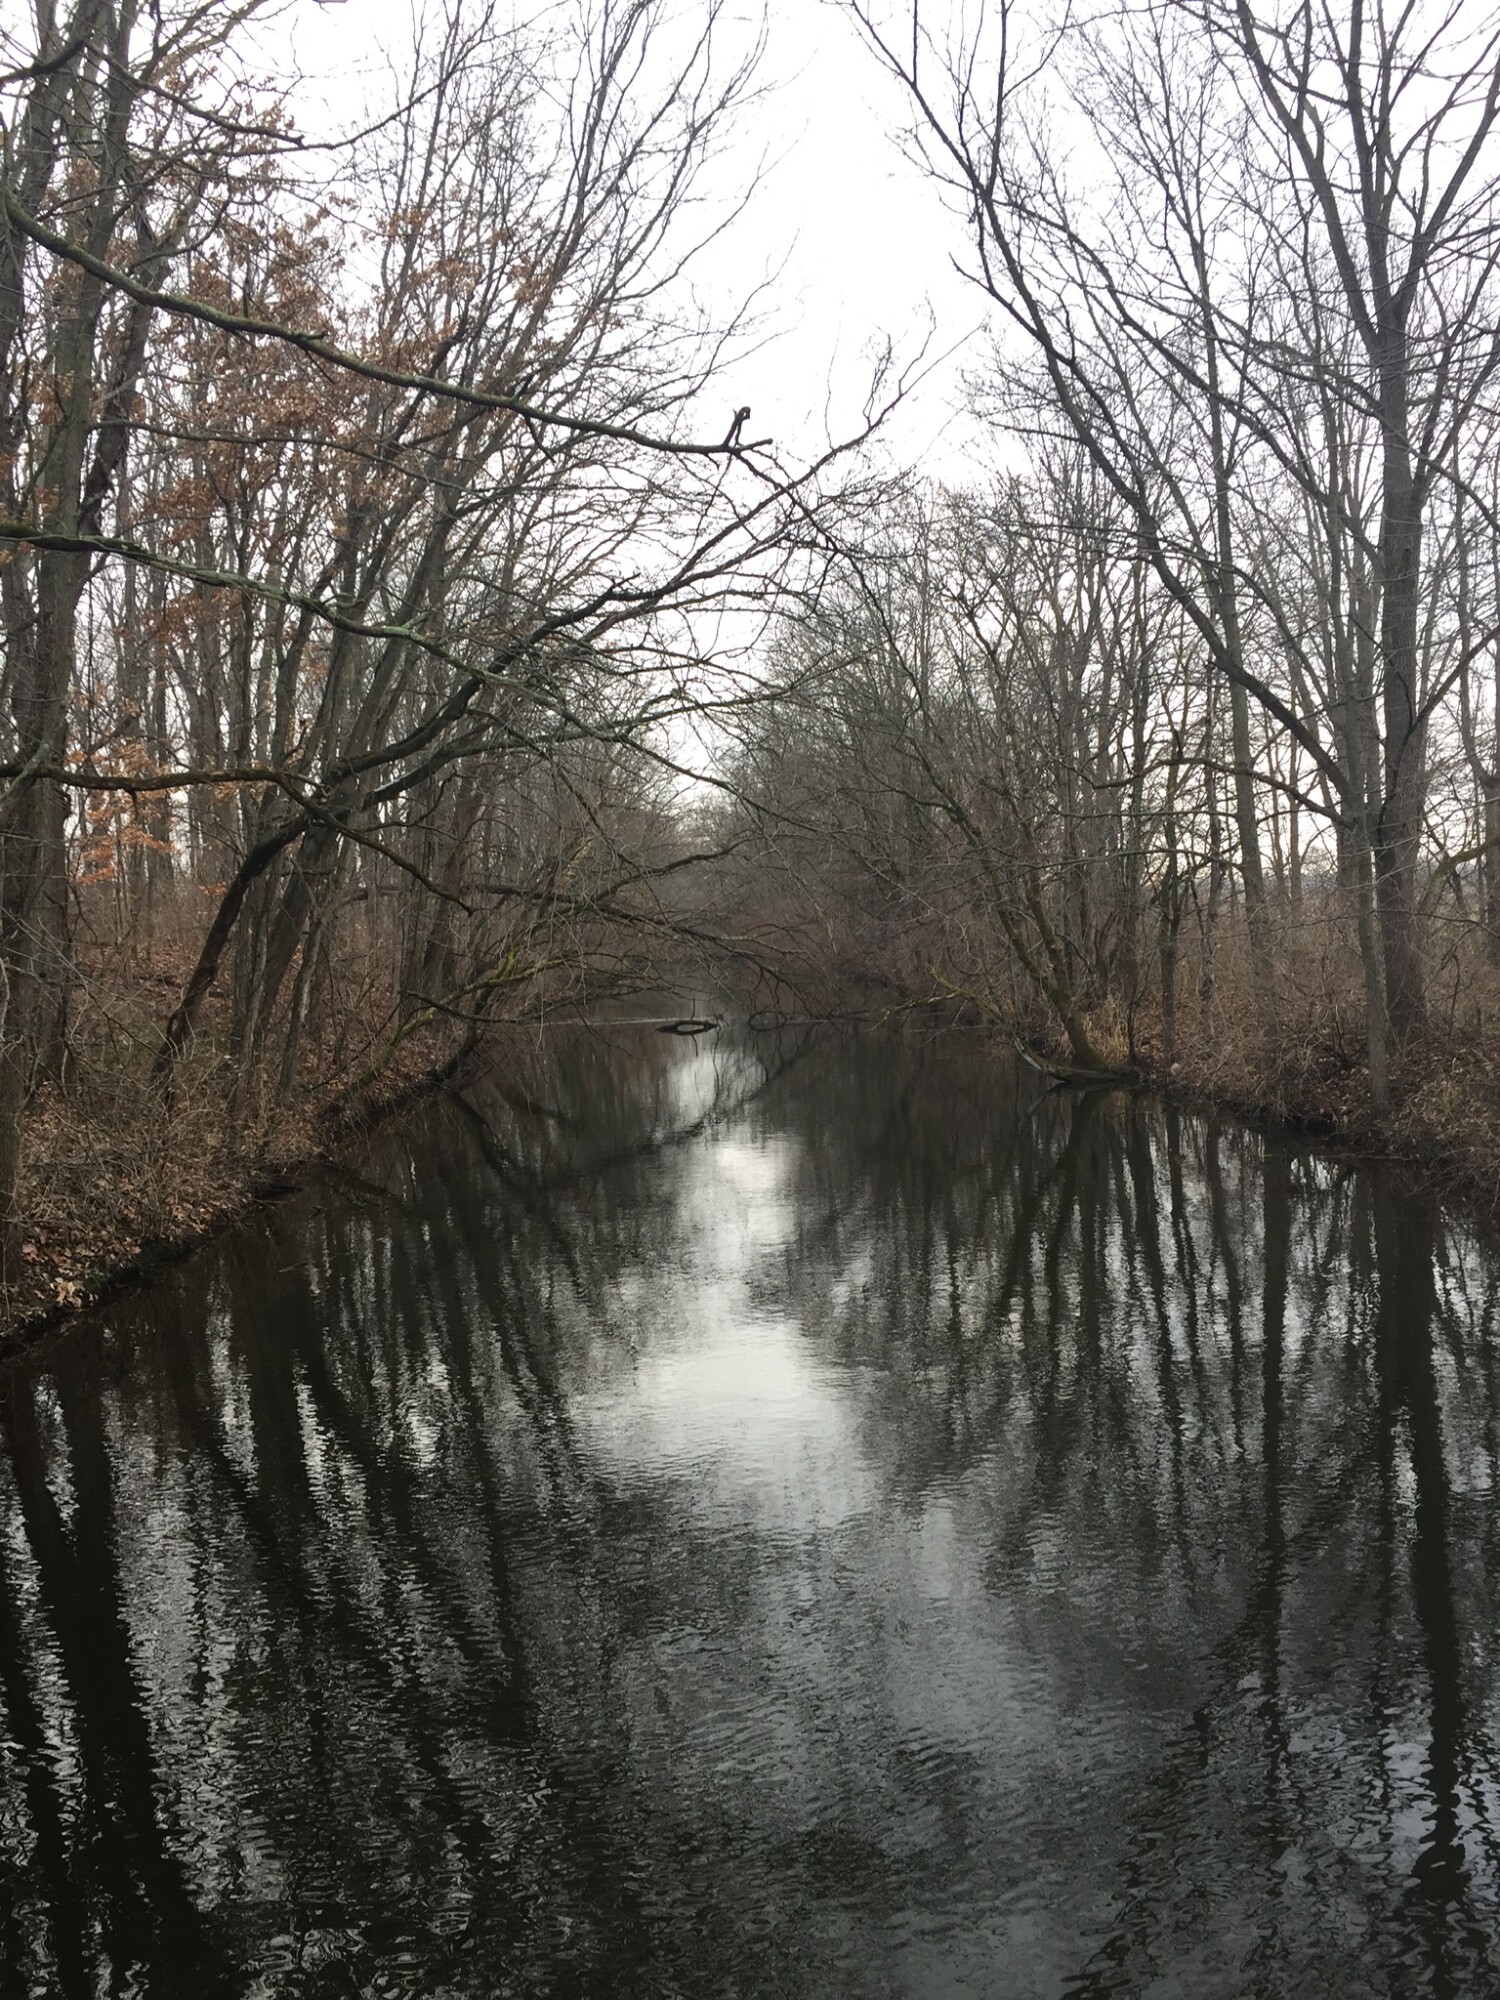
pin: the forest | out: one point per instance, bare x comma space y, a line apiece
406, 633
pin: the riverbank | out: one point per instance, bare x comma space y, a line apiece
1302, 1074
123, 1175
1443, 1128
1445, 1133
121, 1180
120, 1185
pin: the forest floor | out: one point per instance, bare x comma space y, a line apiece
1444, 1129
121, 1177
1301, 1067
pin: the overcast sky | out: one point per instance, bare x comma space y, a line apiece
862, 243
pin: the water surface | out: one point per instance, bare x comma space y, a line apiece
815, 1517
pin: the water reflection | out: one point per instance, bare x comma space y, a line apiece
811, 1518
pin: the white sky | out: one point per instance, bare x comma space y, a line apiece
860, 239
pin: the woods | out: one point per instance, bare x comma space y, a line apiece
396, 640
364, 503
1218, 664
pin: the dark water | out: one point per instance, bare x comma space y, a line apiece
813, 1519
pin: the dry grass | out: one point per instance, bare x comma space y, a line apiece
119, 1175
1305, 1062
1302, 1060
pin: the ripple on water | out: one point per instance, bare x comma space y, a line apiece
909, 1538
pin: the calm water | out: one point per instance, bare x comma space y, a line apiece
814, 1518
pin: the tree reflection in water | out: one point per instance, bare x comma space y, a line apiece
821, 1516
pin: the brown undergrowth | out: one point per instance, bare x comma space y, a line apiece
121, 1176
1301, 1062
1296, 1060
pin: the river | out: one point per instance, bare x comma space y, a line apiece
815, 1515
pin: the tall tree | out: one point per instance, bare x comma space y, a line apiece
1146, 270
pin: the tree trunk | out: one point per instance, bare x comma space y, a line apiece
1399, 832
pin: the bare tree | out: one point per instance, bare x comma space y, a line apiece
376, 485
1255, 185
